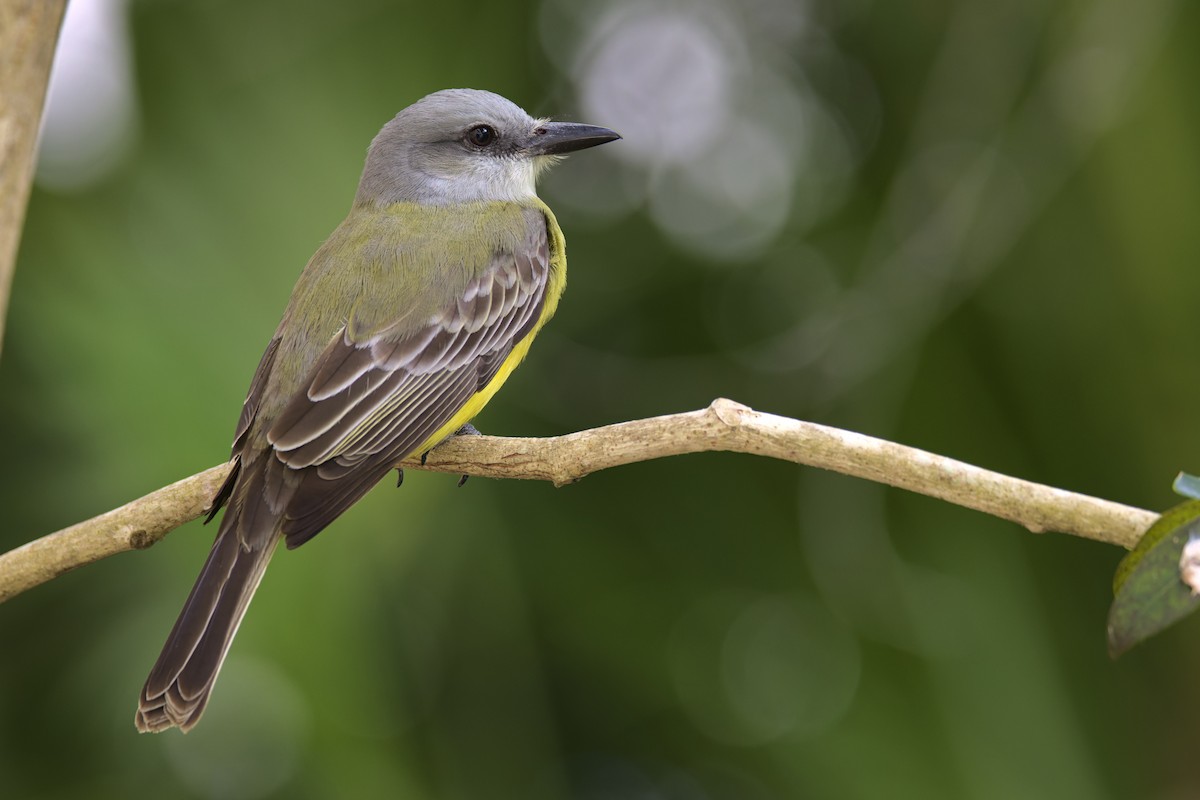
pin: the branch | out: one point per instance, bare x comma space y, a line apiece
724, 425
28, 33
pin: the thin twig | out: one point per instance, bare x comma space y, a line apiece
724, 425
28, 33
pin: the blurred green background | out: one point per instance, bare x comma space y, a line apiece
966, 226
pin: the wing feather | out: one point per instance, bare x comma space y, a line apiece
320, 500
343, 367
315, 436
391, 355
307, 421
373, 400
254, 397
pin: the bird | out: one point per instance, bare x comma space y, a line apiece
401, 327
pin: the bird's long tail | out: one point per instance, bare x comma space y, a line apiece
179, 685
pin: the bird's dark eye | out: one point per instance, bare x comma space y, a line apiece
481, 135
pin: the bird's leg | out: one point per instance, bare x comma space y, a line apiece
465, 430
399, 477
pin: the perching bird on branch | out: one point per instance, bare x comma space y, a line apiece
400, 329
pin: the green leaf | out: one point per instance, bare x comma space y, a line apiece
1187, 485
1149, 595
1166, 524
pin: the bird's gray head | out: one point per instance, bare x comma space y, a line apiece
465, 145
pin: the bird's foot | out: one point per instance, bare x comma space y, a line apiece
466, 430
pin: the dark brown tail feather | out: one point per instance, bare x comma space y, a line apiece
179, 685
269, 502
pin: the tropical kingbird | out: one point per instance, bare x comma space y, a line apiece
402, 326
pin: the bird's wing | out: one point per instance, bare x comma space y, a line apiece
255, 395
249, 412
370, 401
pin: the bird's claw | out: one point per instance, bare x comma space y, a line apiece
466, 430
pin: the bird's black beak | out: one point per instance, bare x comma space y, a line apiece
557, 138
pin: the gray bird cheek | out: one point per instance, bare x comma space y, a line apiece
437, 160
